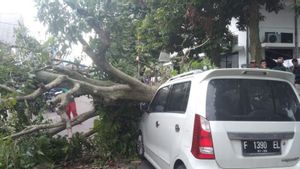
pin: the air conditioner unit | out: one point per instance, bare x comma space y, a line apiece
273, 37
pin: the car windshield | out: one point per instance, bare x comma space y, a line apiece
251, 100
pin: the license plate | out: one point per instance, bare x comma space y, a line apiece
261, 147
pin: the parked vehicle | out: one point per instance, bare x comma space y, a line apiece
49, 95
223, 118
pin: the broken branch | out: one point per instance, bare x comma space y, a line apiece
55, 128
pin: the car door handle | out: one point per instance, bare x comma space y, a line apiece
177, 128
157, 124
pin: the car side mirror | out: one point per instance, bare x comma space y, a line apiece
144, 107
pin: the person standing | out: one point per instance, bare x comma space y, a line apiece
253, 64
296, 71
263, 64
279, 65
70, 108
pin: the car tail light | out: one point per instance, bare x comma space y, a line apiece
202, 146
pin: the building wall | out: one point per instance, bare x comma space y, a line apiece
242, 37
283, 21
8, 24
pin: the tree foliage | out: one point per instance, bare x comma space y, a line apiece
112, 33
216, 14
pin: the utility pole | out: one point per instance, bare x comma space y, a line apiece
296, 50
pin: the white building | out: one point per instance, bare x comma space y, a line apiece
8, 24
276, 34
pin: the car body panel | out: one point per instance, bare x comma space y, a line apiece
164, 146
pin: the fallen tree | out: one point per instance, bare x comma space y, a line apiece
106, 31
113, 86
107, 91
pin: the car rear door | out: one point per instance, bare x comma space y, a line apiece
254, 123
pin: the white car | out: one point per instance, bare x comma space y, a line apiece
223, 119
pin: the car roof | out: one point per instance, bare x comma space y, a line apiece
233, 72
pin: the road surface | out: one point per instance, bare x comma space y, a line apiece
83, 104
145, 165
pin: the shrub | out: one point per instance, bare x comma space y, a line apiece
116, 132
40, 150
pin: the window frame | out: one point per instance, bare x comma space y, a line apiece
288, 84
170, 93
156, 95
170, 88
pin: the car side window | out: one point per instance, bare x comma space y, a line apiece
160, 100
178, 97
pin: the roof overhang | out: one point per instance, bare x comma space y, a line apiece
237, 48
277, 45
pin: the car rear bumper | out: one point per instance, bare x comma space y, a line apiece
192, 163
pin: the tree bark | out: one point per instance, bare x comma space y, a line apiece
296, 50
79, 119
55, 128
114, 92
255, 44
215, 57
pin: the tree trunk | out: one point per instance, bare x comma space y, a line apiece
296, 50
255, 45
215, 57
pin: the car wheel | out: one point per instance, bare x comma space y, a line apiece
140, 145
181, 166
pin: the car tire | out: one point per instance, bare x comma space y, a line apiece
140, 145
181, 166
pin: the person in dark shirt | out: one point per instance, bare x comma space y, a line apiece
279, 65
296, 70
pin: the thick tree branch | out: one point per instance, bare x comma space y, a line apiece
78, 76
109, 93
69, 62
43, 88
7, 88
64, 98
77, 120
55, 128
101, 61
99, 56
90, 133
86, 48
34, 128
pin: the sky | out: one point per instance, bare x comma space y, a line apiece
28, 11
26, 8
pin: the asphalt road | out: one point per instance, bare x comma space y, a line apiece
145, 165
83, 105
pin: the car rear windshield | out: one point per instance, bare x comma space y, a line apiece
251, 100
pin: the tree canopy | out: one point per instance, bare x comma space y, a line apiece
113, 34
